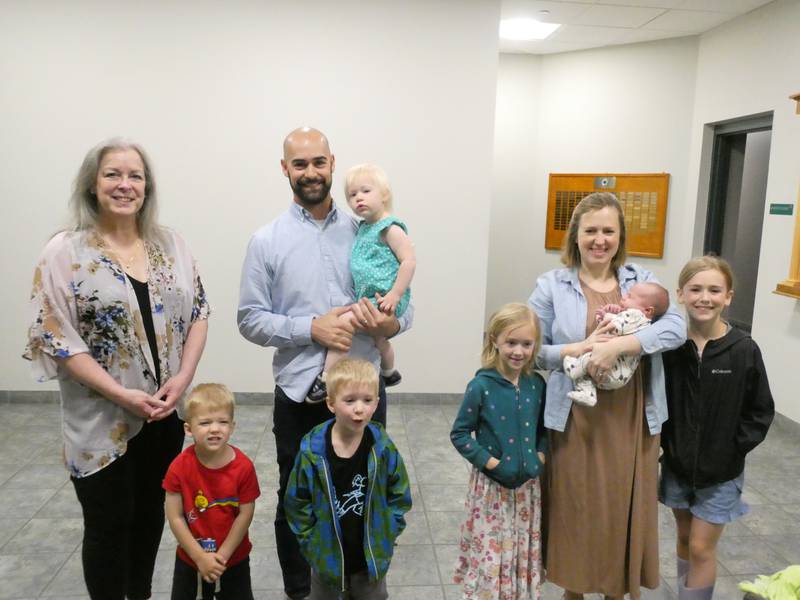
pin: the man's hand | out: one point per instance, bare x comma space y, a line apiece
332, 332
372, 321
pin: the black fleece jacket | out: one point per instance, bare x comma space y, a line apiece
720, 408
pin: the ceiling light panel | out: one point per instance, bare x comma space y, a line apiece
526, 29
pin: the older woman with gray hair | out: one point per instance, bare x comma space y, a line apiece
119, 318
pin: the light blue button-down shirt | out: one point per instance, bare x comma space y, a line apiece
297, 269
559, 301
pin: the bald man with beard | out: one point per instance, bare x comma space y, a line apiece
295, 283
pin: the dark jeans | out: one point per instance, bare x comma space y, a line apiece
233, 585
123, 513
290, 422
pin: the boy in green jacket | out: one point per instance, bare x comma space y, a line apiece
348, 492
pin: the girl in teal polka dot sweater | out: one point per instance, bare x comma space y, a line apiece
500, 546
382, 263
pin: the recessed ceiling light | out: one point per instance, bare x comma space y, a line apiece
526, 29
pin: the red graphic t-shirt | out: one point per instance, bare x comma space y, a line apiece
211, 497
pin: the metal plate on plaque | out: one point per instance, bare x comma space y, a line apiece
605, 182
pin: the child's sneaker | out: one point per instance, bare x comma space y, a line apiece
392, 378
318, 391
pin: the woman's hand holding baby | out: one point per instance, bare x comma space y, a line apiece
600, 334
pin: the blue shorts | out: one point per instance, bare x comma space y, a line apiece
717, 504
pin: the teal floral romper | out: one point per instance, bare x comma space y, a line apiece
373, 264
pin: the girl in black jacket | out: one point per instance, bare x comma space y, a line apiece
720, 408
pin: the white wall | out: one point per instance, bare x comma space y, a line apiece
211, 89
513, 239
624, 109
747, 67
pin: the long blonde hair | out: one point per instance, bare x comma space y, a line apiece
509, 316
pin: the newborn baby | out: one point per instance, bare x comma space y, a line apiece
644, 303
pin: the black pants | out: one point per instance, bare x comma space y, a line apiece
123, 513
233, 585
290, 422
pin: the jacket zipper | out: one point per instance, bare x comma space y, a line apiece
699, 358
520, 452
369, 510
335, 518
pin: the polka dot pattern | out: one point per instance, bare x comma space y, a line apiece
373, 264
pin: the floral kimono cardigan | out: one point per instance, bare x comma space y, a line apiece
82, 301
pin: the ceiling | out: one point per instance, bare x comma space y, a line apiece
595, 23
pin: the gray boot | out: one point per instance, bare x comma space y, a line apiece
687, 593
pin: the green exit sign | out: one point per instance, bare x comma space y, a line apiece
780, 209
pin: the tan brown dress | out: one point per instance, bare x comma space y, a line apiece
602, 489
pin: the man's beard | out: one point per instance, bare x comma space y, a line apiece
308, 196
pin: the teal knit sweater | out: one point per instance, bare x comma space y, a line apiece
508, 424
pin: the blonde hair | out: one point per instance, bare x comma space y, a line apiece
376, 175
83, 202
209, 396
570, 253
348, 372
708, 262
509, 316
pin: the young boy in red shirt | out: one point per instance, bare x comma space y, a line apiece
211, 491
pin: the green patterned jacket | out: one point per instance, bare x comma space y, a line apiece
309, 506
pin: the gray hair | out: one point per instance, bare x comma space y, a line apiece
83, 202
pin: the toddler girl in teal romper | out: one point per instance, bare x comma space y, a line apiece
382, 263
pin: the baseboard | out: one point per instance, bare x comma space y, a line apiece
242, 398
781, 422
785, 424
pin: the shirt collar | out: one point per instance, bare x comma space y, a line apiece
301, 214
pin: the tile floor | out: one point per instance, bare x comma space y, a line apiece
40, 530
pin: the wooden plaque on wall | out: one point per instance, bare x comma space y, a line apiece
643, 198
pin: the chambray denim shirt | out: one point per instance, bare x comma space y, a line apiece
559, 301
296, 269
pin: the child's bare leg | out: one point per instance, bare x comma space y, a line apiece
319, 390
703, 541
331, 358
389, 374
384, 346
683, 523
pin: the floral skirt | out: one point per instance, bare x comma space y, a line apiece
500, 548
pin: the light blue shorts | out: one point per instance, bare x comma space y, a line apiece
717, 504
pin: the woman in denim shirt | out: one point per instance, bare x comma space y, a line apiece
603, 471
